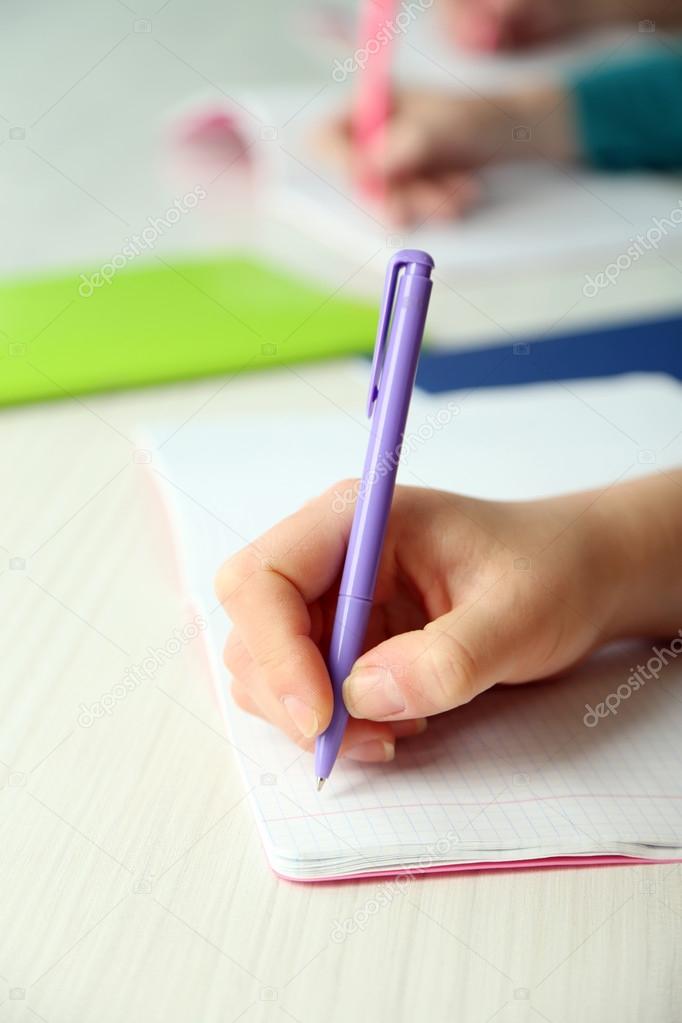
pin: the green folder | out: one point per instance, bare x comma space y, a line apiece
66, 335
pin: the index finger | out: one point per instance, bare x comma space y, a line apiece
265, 590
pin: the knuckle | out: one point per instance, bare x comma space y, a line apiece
342, 494
233, 573
240, 696
234, 656
348, 483
229, 659
452, 668
287, 655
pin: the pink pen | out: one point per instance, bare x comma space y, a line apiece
373, 100
399, 336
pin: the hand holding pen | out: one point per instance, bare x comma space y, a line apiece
451, 616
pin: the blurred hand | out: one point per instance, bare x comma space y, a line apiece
470, 593
489, 25
423, 158
435, 141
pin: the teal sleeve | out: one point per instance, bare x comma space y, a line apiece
629, 115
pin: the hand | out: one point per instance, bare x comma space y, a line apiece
425, 174
435, 141
470, 593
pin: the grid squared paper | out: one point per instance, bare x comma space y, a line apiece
516, 774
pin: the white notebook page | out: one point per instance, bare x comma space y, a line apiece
517, 773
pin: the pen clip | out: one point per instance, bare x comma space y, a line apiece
402, 259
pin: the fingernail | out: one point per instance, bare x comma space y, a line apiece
376, 751
372, 693
303, 716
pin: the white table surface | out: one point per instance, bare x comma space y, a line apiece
132, 882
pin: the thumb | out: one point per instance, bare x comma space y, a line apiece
425, 672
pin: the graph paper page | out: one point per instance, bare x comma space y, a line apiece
515, 774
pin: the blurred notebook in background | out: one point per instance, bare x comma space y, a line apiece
71, 332
516, 778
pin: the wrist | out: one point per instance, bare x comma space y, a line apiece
540, 122
608, 564
637, 537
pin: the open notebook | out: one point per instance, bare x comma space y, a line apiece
516, 777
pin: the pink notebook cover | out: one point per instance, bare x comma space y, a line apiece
542, 863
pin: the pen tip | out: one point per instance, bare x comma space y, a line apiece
320, 782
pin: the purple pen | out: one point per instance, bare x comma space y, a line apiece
399, 336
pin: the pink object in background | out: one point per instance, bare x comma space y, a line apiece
373, 100
216, 135
214, 145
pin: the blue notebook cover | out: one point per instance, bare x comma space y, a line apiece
653, 346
